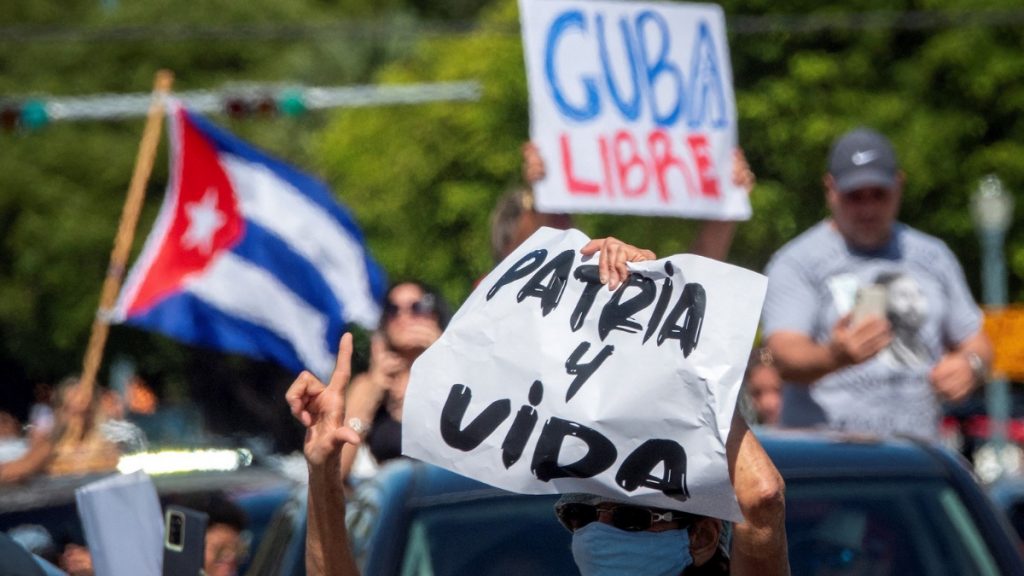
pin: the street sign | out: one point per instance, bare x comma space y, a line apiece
1005, 327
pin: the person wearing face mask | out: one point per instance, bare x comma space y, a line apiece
609, 537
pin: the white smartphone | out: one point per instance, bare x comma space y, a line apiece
870, 301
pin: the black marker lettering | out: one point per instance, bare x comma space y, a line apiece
481, 427
616, 314
636, 469
526, 265
522, 427
691, 303
600, 451
583, 371
551, 293
587, 273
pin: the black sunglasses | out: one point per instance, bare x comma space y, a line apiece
425, 306
623, 516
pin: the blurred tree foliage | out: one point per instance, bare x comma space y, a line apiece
941, 77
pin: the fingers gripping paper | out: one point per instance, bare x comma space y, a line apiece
547, 382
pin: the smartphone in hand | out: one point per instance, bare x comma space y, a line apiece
184, 541
870, 301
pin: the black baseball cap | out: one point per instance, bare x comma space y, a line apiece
863, 158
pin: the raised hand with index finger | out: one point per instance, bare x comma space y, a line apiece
321, 409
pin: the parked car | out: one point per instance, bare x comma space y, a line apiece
43, 511
854, 505
1008, 495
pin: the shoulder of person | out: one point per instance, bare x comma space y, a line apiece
814, 244
923, 245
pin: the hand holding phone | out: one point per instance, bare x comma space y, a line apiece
870, 301
184, 541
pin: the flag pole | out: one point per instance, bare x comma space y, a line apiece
126, 229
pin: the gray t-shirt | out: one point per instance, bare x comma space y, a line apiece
813, 281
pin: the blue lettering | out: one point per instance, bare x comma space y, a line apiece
630, 110
659, 67
570, 19
706, 83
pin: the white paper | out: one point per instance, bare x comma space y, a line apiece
496, 348
123, 525
632, 108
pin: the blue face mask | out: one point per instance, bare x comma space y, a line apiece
600, 549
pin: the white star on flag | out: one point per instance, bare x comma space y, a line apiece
204, 220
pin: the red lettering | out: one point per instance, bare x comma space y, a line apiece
606, 164
573, 184
659, 146
626, 166
705, 166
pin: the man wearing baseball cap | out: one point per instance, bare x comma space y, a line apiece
868, 320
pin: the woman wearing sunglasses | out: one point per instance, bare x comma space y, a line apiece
414, 316
609, 537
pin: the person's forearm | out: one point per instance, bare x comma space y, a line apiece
328, 552
714, 238
29, 464
801, 360
977, 344
759, 542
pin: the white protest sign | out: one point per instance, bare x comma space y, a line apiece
547, 382
632, 108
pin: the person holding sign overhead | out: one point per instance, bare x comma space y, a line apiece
758, 544
869, 321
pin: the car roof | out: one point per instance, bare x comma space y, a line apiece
806, 454
47, 491
797, 454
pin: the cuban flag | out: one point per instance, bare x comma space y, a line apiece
249, 255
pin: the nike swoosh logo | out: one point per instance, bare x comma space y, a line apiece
862, 158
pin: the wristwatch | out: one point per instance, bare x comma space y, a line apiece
977, 366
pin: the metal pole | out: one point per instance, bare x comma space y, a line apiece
997, 396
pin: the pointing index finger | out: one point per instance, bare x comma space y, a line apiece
343, 365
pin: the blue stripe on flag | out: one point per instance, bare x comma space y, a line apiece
269, 252
188, 319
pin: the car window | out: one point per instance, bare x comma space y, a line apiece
488, 537
884, 526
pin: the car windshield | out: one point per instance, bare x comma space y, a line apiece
880, 527
493, 536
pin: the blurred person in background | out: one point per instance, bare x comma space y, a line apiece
12, 443
762, 387
852, 374
413, 318
75, 445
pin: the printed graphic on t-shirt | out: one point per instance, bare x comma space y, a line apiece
906, 309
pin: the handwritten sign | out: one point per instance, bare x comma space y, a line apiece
632, 108
547, 382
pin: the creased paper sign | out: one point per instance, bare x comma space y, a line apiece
547, 382
632, 108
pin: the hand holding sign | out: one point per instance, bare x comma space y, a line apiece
614, 254
545, 382
321, 409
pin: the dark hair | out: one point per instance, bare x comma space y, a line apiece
440, 304
505, 220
